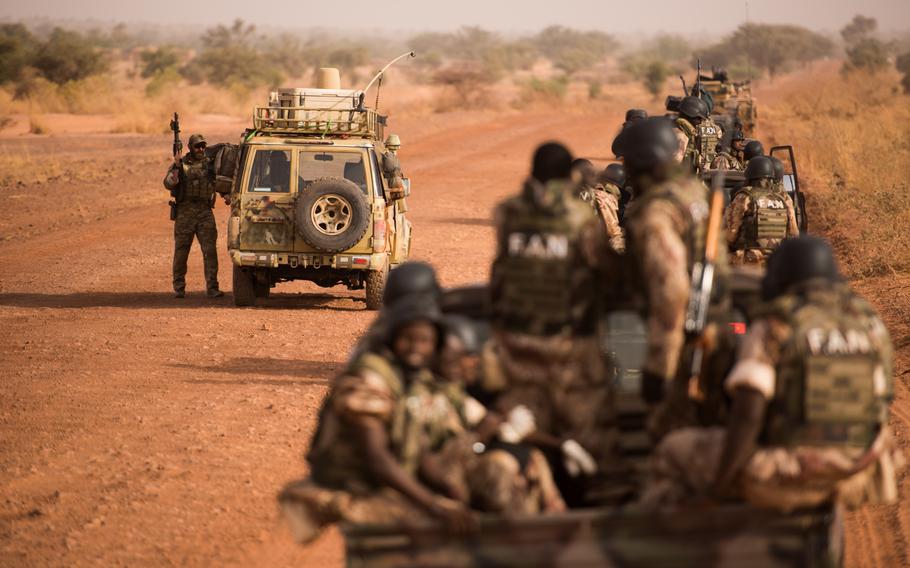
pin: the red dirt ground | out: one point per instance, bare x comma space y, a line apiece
142, 430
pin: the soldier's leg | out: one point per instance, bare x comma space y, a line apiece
682, 466
184, 229
207, 233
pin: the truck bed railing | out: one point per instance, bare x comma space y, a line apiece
309, 121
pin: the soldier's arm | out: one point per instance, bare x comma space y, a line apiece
792, 226
608, 206
733, 217
751, 386
663, 263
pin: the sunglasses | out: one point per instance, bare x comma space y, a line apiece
200, 145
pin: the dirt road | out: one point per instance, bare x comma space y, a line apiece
138, 429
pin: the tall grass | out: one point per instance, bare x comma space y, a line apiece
852, 139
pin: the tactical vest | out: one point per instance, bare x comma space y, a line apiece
833, 377
689, 196
766, 219
706, 138
198, 181
691, 153
541, 283
336, 460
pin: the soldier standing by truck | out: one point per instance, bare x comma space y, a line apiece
810, 390
545, 315
760, 216
191, 180
666, 234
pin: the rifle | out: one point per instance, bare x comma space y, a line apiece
176, 150
685, 89
703, 285
698, 77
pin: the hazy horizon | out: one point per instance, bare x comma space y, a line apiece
694, 17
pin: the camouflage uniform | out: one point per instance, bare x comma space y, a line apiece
605, 198
726, 161
822, 359
544, 286
665, 236
195, 180
698, 143
758, 218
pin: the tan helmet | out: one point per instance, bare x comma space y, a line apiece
196, 139
393, 142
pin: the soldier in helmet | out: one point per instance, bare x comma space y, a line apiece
751, 149
194, 178
697, 133
731, 160
545, 311
760, 215
391, 166
778, 174
379, 422
810, 390
634, 114
413, 281
666, 226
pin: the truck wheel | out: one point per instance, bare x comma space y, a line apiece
332, 214
375, 287
244, 290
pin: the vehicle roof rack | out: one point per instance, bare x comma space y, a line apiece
318, 112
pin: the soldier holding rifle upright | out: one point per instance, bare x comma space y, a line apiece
191, 181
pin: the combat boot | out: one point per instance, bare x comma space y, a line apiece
214, 293
179, 294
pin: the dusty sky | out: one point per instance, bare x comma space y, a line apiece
681, 16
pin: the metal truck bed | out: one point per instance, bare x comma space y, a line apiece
729, 535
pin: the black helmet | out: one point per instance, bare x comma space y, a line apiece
466, 330
759, 167
778, 169
647, 143
797, 260
753, 148
634, 114
415, 309
693, 107
410, 279
737, 135
615, 174
582, 166
552, 160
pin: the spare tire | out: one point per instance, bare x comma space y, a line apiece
332, 214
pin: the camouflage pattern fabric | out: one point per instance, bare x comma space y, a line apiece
819, 439
605, 199
566, 383
684, 464
195, 219
738, 213
725, 161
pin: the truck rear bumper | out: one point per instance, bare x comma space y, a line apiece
374, 261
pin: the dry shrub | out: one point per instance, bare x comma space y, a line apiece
543, 91
464, 87
853, 150
37, 126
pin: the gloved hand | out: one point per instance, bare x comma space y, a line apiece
652, 387
518, 424
577, 459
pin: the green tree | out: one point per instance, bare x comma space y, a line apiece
771, 48
68, 56
573, 50
17, 47
230, 57
655, 76
867, 54
859, 28
158, 61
